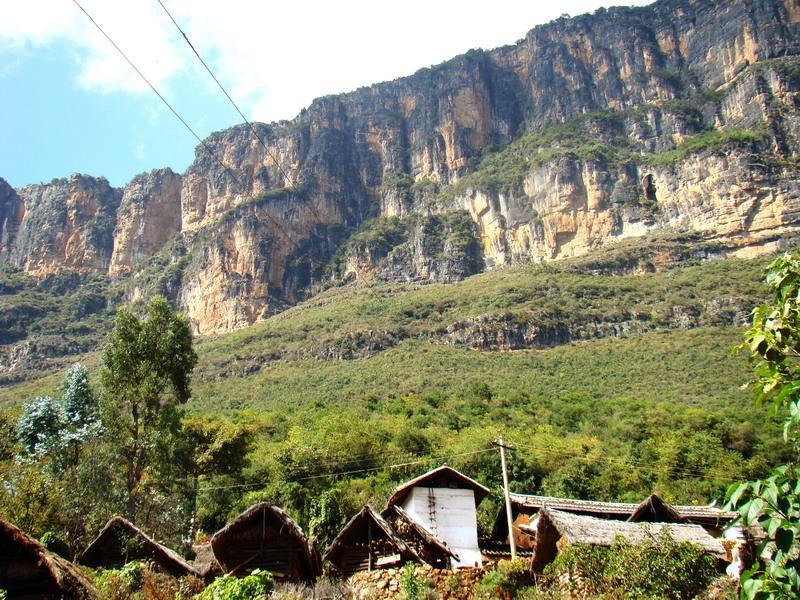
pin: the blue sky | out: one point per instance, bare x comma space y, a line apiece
70, 104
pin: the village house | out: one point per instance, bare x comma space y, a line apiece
121, 542
370, 541
264, 537
445, 502
555, 530
525, 508
28, 570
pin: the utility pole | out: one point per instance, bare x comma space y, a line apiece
507, 494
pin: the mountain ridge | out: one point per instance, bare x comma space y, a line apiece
677, 117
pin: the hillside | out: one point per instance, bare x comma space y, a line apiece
671, 119
617, 361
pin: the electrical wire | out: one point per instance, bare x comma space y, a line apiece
155, 91
652, 469
357, 471
270, 154
242, 188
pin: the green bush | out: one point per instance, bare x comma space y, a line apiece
415, 585
252, 587
121, 583
55, 544
506, 580
660, 567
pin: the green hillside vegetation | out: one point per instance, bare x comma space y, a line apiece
659, 409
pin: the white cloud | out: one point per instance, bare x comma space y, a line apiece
274, 57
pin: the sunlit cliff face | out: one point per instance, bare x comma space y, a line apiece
259, 234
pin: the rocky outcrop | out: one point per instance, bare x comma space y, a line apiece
697, 130
433, 248
148, 215
67, 224
12, 211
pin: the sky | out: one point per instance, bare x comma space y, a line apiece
70, 103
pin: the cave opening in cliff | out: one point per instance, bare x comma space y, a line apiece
649, 186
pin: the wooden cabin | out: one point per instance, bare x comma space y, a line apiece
524, 509
376, 541
555, 530
444, 501
368, 542
29, 572
121, 542
431, 550
264, 537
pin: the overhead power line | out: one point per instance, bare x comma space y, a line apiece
155, 91
270, 154
278, 226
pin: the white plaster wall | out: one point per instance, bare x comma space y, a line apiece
451, 515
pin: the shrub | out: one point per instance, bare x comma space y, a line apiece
660, 567
121, 584
254, 586
55, 544
415, 585
505, 581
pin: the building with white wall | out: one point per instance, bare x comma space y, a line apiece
445, 502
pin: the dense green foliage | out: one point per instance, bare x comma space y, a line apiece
607, 418
255, 586
145, 377
774, 502
659, 568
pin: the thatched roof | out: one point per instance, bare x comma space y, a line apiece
352, 532
445, 477
621, 510
423, 532
121, 542
229, 551
205, 564
28, 570
655, 510
554, 528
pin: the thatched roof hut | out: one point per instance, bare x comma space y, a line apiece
429, 547
655, 510
28, 571
368, 542
121, 542
205, 564
524, 508
556, 529
264, 537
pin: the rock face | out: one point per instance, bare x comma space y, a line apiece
68, 223
679, 116
148, 215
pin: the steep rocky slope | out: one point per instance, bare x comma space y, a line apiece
677, 117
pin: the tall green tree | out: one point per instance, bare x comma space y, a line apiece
773, 342
208, 448
56, 429
145, 377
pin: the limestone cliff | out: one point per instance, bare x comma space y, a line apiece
149, 214
678, 116
68, 223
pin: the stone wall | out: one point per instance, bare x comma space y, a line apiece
387, 583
